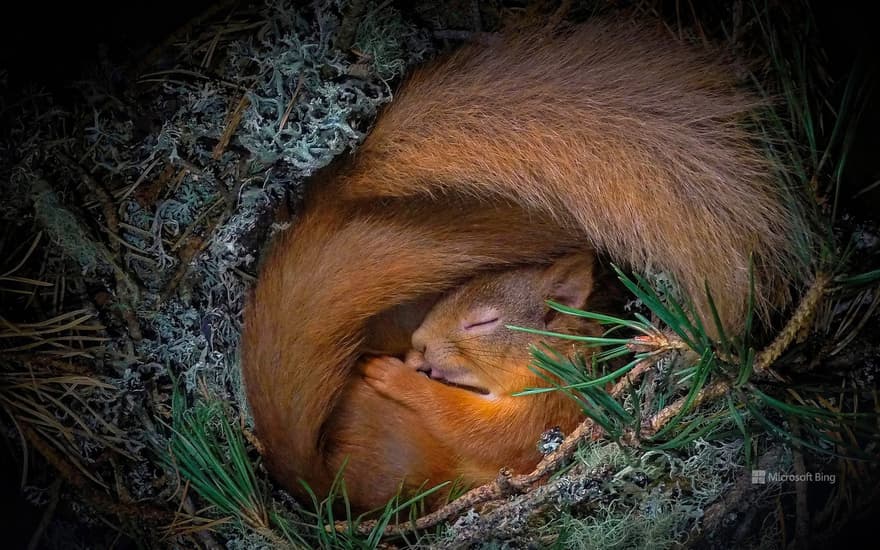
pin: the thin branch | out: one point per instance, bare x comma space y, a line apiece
506, 485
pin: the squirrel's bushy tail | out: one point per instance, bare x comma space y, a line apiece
636, 140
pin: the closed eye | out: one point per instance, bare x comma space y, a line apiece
482, 323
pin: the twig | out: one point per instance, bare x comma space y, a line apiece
194, 245
632, 376
180, 34
127, 290
104, 197
97, 499
509, 519
505, 486
127, 294
800, 320
195, 223
231, 127
143, 175
154, 77
204, 535
708, 393
290, 104
251, 437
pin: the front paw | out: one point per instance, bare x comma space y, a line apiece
389, 376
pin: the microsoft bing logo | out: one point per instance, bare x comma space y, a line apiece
761, 477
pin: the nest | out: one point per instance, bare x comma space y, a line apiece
133, 218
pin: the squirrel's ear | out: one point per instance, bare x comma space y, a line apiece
569, 280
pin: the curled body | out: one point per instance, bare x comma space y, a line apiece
449, 412
606, 136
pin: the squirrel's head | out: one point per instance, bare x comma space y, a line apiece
464, 339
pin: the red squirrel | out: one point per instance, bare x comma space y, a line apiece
607, 135
465, 345
436, 416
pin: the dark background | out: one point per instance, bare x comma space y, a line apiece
53, 44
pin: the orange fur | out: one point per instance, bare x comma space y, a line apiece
490, 428
614, 129
404, 430
385, 447
298, 356
610, 136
